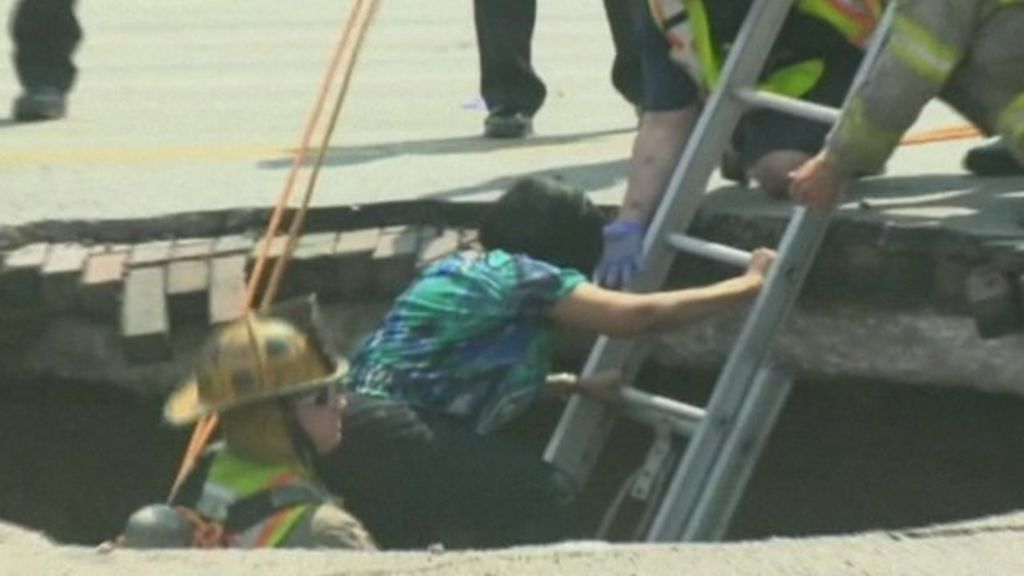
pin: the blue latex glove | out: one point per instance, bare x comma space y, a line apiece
622, 255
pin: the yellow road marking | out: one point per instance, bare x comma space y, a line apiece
51, 156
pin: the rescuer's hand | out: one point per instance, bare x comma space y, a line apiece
606, 386
622, 255
760, 261
818, 183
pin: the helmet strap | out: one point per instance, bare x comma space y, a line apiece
302, 444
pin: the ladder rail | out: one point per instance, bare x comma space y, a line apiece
740, 454
796, 254
586, 421
709, 479
692, 487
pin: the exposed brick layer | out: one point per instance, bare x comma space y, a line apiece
152, 288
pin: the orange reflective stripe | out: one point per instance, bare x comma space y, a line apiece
273, 529
855, 20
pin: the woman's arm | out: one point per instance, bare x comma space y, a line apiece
613, 313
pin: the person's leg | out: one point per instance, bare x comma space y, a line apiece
384, 472
493, 492
509, 85
670, 110
45, 34
626, 68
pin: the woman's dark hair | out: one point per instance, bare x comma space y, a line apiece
547, 220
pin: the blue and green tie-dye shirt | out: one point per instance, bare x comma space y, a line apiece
470, 338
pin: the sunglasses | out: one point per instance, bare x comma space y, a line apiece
324, 396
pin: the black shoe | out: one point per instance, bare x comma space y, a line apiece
36, 104
505, 124
992, 159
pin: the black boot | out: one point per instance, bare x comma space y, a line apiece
44, 103
504, 123
992, 159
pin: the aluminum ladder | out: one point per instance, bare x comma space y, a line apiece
698, 499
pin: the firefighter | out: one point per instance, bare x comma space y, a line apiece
279, 404
683, 46
968, 52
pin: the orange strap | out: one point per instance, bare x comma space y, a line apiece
941, 135
205, 533
342, 62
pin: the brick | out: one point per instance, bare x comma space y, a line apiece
469, 239
30, 256
188, 282
227, 288
436, 248
233, 244
104, 268
100, 283
150, 253
20, 279
60, 273
186, 248
316, 246
145, 326
352, 254
276, 248
357, 243
394, 259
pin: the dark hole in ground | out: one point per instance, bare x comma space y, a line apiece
849, 456
76, 459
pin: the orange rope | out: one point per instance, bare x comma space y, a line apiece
300, 157
363, 12
344, 55
941, 135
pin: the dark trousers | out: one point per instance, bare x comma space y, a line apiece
504, 30
45, 34
414, 479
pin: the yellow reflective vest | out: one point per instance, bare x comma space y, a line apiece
688, 32
233, 477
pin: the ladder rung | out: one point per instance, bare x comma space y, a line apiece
787, 105
659, 411
710, 250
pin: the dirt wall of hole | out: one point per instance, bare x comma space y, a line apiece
845, 457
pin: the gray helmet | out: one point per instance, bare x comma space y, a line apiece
157, 526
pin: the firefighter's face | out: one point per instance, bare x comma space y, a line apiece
319, 414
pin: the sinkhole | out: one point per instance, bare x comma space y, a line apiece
845, 456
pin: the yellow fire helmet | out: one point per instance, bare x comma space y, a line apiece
251, 360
